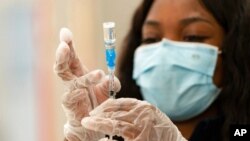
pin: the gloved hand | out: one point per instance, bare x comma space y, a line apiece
85, 90
132, 119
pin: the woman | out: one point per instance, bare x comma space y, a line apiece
234, 42
202, 99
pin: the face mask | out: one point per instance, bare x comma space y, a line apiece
177, 77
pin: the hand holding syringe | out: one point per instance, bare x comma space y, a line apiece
85, 90
109, 42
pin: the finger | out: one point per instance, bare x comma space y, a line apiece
66, 35
102, 89
73, 133
75, 65
109, 126
121, 104
89, 79
61, 66
71, 137
113, 105
76, 104
126, 112
104, 86
62, 53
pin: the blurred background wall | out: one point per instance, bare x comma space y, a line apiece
30, 93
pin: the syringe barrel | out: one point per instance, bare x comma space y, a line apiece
110, 58
109, 42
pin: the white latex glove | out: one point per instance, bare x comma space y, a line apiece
85, 90
132, 119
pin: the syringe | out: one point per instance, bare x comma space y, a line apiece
109, 42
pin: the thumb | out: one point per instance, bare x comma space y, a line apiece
102, 89
92, 78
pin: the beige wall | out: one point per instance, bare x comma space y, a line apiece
85, 17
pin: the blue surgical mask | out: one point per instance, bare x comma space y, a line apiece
177, 77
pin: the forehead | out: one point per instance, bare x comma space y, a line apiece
174, 10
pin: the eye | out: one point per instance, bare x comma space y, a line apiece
150, 40
195, 38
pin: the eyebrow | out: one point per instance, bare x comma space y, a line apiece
184, 22
191, 20
152, 23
